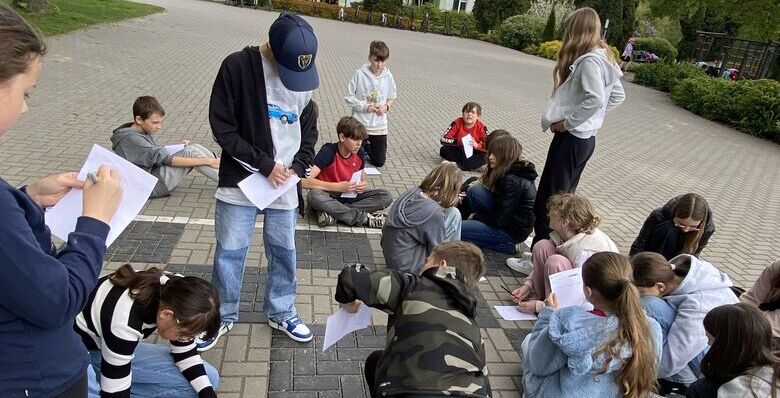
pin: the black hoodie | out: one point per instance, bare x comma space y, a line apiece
514, 197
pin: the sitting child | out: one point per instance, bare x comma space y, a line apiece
678, 294
434, 346
126, 307
739, 362
331, 176
765, 295
451, 142
575, 235
135, 142
422, 218
500, 207
610, 351
682, 225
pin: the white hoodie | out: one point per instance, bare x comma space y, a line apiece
592, 89
366, 89
704, 288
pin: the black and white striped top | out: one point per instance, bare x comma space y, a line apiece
114, 324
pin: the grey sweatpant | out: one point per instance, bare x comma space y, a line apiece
349, 211
169, 176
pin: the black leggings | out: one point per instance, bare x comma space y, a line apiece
566, 159
456, 154
376, 149
78, 390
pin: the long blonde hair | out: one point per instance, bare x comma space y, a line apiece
610, 275
581, 36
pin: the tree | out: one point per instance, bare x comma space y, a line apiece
621, 15
490, 13
755, 19
389, 6
549, 29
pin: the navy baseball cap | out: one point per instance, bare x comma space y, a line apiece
294, 46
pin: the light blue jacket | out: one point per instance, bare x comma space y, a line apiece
558, 360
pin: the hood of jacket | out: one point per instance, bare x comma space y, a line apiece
525, 170
367, 72
612, 72
413, 209
450, 279
702, 276
126, 130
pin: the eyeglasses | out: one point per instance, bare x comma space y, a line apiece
687, 228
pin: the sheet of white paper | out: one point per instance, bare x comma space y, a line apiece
136, 184
173, 148
482, 279
356, 176
342, 323
372, 171
261, 193
511, 313
567, 286
467, 148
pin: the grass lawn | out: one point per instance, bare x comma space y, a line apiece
64, 16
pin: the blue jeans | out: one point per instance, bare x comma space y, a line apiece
452, 224
154, 374
481, 201
235, 226
665, 315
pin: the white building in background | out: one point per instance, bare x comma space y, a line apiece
444, 5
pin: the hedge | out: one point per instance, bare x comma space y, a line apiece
659, 46
752, 106
520, 31
664, 76
549, 49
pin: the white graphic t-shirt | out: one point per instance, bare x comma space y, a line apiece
284, 114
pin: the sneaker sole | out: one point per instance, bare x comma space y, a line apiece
276, 326
519, 270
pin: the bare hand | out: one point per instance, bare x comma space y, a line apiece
101, 198
214, 163
552, 301
521, 293
353, 306
557, 127
380, 110
371, 108
360, 187
474, 144
185, 142
529, 307
47, 191
278, 175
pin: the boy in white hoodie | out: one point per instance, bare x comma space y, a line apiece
371, 93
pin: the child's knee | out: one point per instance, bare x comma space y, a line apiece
557, 263
543, 249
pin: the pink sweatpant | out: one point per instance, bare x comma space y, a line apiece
546, 261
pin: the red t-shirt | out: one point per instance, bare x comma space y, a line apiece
335, 168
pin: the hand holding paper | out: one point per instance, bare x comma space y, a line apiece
468, 148
356, 177
342, 323
261, 193
567, 286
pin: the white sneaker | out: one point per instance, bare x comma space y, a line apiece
203, 345
520, 265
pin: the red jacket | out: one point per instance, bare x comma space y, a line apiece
457, 130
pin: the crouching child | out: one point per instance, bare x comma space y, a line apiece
434, 346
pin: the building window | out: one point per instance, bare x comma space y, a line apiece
459, 5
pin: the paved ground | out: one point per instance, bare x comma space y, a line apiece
647, 152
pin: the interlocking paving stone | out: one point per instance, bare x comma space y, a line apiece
145, 242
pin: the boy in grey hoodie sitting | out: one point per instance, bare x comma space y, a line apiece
135, 142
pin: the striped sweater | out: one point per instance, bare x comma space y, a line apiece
114, 323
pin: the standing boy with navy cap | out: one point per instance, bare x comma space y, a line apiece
262, 115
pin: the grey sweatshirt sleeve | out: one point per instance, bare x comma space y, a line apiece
143, 153
592, 97
616, 96
355, 103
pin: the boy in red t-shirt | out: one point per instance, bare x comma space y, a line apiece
452, 144
332, 192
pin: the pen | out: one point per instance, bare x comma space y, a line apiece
92, 177
507, 290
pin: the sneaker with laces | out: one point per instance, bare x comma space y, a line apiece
520, 265
294, 328
203, 345
325, 219
375, 220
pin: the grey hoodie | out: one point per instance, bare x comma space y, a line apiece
141, 150
757, 382
414, 226
592, 89
704, 288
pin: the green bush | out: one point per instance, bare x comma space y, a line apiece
664, 76
520, 31
659, 46
549, 49
532, 49
750, 105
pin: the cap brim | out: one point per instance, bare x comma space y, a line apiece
299, 81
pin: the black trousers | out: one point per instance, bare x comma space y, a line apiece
376, 149
566, 159
78, 390
456, 154
372, 362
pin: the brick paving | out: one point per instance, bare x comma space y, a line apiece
648, 151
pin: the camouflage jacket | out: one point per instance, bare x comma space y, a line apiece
434, 345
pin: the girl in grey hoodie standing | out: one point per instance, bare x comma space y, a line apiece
586, 85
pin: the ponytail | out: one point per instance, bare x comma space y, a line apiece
192, 299
610, 275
